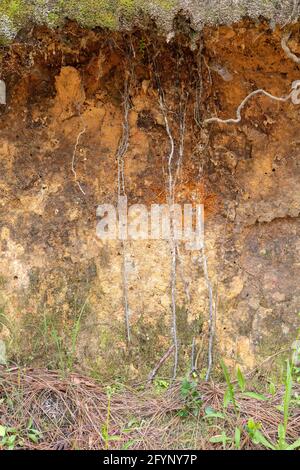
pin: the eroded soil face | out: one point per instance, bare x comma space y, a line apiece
59, 139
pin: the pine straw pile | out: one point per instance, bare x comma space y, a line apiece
76, 413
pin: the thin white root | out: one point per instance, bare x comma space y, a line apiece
285, 47
182, 123
124, 142
182, 275
122, 149
73, 164
241, 106
211, 317
172, 148
162, 360
170, 201
199, 86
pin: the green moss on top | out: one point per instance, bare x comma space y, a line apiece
15, 14
167, 5
128, 4
13, 9
90, 13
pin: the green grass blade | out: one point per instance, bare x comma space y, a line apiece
241, 379
230, 390
287, 396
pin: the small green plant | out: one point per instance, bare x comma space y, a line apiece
229, 396
161, 385
74, 336
33, 434
192, 399
253, 428
221, 439
65, 354
107, 438
225, 440
10, 437
211, 413
241, 379
131, 426
255, 395
242, 385
272, 389
237, 438
58, 341
258, 437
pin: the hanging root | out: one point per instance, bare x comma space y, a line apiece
199, 87
241, 106
172, 149
172, 246
183, 279
198, 120
182, 123
124, 141
204, 259
122, 149
170, 192
235, 121
286, 48
73, 163
160, 363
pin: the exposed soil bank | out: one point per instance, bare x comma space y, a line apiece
59, 138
